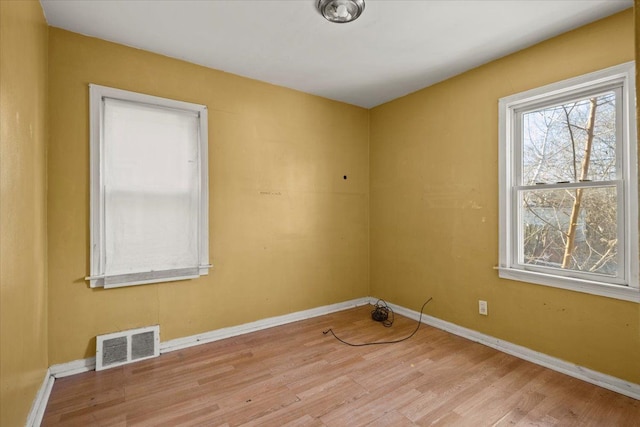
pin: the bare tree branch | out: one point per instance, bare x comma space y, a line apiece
584, 173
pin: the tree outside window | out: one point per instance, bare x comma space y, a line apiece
568, 185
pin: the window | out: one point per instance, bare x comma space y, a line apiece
149, 189
568, 185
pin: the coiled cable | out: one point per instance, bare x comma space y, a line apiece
381, 342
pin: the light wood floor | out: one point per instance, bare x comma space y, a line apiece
294, 375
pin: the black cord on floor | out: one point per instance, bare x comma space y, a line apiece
381, 342
380, 313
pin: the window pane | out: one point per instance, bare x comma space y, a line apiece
548, 240
151, 188
556, 142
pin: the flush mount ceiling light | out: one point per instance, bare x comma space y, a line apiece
340, 11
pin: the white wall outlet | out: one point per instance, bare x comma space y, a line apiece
482, 308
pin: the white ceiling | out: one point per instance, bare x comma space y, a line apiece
396, 47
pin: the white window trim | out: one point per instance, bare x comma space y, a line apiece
508, 268
97, 202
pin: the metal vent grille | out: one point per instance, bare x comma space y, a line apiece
120, 348
114, 351
142, 345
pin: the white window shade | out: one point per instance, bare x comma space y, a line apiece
149, 189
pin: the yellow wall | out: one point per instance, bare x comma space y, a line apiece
23, 132
434, 207
287, 232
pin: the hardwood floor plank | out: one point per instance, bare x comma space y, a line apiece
330, 395
294, 375
369, 408
458, 386
393, 418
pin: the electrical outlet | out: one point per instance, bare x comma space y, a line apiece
482, 308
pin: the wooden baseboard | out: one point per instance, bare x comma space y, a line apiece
89, 364
34, 419
74, 367
246, 328
597, 378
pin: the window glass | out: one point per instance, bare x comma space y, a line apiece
149, 189
570, 142
568, 185
573, 229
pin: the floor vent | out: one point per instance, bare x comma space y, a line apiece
120, 348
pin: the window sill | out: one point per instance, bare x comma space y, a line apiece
118, 281
624, 293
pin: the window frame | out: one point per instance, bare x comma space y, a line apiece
625, 287
97, 277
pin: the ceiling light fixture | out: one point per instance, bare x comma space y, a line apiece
340, 11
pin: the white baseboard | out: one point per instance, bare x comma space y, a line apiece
219, 334
606, 381
89, 364
75, 367
40, 402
